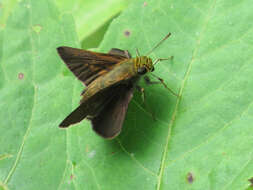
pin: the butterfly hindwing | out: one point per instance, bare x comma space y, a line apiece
116, 51
108, 123
75, 116
91, 107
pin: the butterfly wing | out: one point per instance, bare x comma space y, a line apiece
87, 65
102, 91
90, 107
108, 123
75, 116
124, 53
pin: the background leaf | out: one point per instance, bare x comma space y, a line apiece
90, 15
202, 140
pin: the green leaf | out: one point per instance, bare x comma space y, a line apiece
33, 149
202, 140
6, 7
90, 15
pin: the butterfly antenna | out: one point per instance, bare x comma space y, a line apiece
162, 59
157, 45
137, 52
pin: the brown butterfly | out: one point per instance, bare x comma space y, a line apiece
110, 80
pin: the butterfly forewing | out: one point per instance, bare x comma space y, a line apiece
87, 65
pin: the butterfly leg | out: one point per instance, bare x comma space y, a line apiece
149, 82
142, 91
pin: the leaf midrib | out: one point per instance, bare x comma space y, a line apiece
187, 73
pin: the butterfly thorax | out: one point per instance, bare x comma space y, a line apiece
143, 64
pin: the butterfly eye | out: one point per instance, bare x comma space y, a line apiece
142, 70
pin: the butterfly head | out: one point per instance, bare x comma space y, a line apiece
144, 64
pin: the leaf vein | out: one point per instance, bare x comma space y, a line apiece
162, 166
226, 125
135, 160
20, 151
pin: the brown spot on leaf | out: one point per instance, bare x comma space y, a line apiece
127, 33
87, 149
20, 76
224, 153
145, 4
2, 25
190, 177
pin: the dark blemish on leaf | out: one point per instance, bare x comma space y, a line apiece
251, 182
20, 76
190, 177
37, 28
145, 4
127, 33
